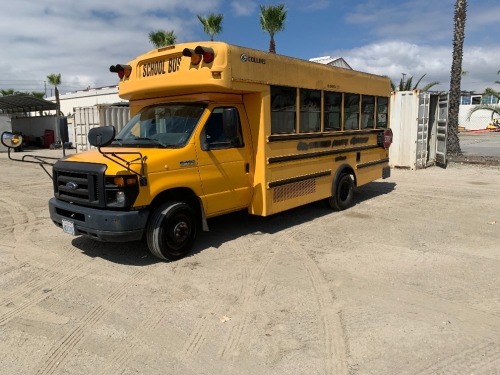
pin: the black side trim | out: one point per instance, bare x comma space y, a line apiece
372, 163
280, 159
292, 137
297, 179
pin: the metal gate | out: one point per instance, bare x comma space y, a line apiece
442, 130
422, 155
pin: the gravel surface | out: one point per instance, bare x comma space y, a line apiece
405, 282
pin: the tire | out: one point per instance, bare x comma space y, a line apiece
343, 193
171, 230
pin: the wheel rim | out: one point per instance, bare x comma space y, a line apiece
344, 190
179, 232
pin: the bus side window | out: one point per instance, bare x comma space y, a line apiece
222, 130
351, 112
332, 111
367, 111
382, 104
283, 109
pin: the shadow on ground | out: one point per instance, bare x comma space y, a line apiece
226, 228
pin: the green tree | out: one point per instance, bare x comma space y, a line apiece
162, 38
7, 92
453, 141
272, 20
212, 24
39, 95
55, 80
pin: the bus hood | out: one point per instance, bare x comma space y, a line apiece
155, 159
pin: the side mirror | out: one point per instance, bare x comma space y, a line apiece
101, 136
11, 140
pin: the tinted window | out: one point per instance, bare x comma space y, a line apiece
382, 104
332, 111
367, 111
310, 110
283, 109
351, 112
222, 130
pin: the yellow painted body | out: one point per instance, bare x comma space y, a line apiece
245, 178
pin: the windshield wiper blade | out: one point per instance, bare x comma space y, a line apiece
150, 139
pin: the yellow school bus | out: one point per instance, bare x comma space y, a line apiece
217, 128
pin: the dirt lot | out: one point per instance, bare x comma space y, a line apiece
405, 282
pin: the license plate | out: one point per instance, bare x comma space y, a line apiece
68, 227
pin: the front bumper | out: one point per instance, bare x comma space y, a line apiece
102, 225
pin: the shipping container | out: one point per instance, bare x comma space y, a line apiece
419, 123
87, 118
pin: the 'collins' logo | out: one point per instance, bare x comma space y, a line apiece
246, 58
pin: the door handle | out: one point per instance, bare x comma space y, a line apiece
247, 167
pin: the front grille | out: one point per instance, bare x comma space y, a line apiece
80, 183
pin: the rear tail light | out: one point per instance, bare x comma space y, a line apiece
121, 69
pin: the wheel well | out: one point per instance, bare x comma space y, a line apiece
345, 169
180, 195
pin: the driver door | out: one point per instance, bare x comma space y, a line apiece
224, 152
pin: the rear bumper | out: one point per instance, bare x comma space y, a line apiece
101, 225
386, 172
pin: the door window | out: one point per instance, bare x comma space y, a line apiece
222, 130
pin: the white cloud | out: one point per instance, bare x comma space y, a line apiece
243, 8
81, 42
393, 58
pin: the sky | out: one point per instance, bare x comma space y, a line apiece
396, 38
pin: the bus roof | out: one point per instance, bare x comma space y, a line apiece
225, 68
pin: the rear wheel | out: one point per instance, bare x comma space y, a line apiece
343, 193
171, 230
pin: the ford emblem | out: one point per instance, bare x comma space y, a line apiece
71, 185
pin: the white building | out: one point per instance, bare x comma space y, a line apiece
87, 98
479, 119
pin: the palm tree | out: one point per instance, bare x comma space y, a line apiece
272, 20
162, 38
39, 95
212, 24
55, 79
407, 85
453, 140
7, 92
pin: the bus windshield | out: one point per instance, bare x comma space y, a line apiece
162, 125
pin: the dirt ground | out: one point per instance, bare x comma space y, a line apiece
405, 282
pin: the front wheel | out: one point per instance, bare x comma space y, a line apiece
343, 193
171, 231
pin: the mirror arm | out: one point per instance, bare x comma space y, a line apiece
126, 164
42, 161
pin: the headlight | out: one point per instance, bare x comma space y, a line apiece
121, 191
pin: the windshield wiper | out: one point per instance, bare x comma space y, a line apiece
118, 140
151, 139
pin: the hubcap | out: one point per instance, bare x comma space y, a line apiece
181, 232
